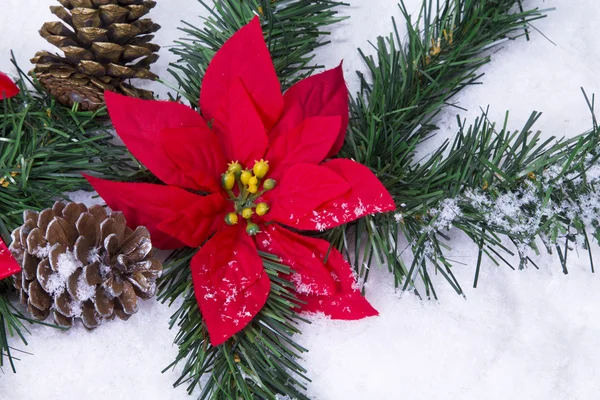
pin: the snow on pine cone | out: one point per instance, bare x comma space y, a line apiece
81, 262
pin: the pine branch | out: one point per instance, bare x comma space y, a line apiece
260, 362
293, 30
507, 187
406, 88
43, 150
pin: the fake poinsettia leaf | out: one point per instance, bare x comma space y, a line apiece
8, 265
243, 58
323, 94
309, 142
366, 196
196, 154
302, 189
7, 87
347, 303
139, 124
310, 275
195, 222
145, 204
230, 283
239, 127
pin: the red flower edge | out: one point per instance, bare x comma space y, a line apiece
7, 87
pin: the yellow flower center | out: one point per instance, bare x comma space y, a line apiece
245, 194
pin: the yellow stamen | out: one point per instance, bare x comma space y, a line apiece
231, 218
253, 189
234, 167
253, 181
269, 184
228, 180
245, 177
247, 213
261, 209
261, 168
252, 229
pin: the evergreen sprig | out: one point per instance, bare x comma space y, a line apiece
260, 362
408, 83
44, 148
293, 30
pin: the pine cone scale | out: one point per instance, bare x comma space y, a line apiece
87, 264
105, 43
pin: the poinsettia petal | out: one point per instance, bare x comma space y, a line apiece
303, 188
8, 265
310, 275
366, 196
324, 280
196, 221
146, 204
239, 128
196, 154
230, 283
7, 87
139, 124
309, 142
347, 303
324, 94
244, 57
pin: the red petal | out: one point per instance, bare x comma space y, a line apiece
196, 221
146, 204
318, 266
139, 124
7, 87
324, 94
239, 128
309, 142
230, 283
8, 265
310, 275
243, 57
366, 196
347, 303
303, 188
196, 154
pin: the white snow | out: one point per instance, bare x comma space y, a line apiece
528, 334
67, 264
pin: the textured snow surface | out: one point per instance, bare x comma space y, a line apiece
521, 335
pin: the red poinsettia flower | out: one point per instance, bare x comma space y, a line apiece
7, 87
242, 174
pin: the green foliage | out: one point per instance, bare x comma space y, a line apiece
293, 30
408, 83
259, 362
43, 150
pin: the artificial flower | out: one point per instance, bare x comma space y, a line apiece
8, 265
255, 164
7, 87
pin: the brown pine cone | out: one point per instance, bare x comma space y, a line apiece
82, 263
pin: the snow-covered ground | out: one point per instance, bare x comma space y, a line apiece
521, 335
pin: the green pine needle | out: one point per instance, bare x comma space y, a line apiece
261, 361
44, 148
293, 30
408, 83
